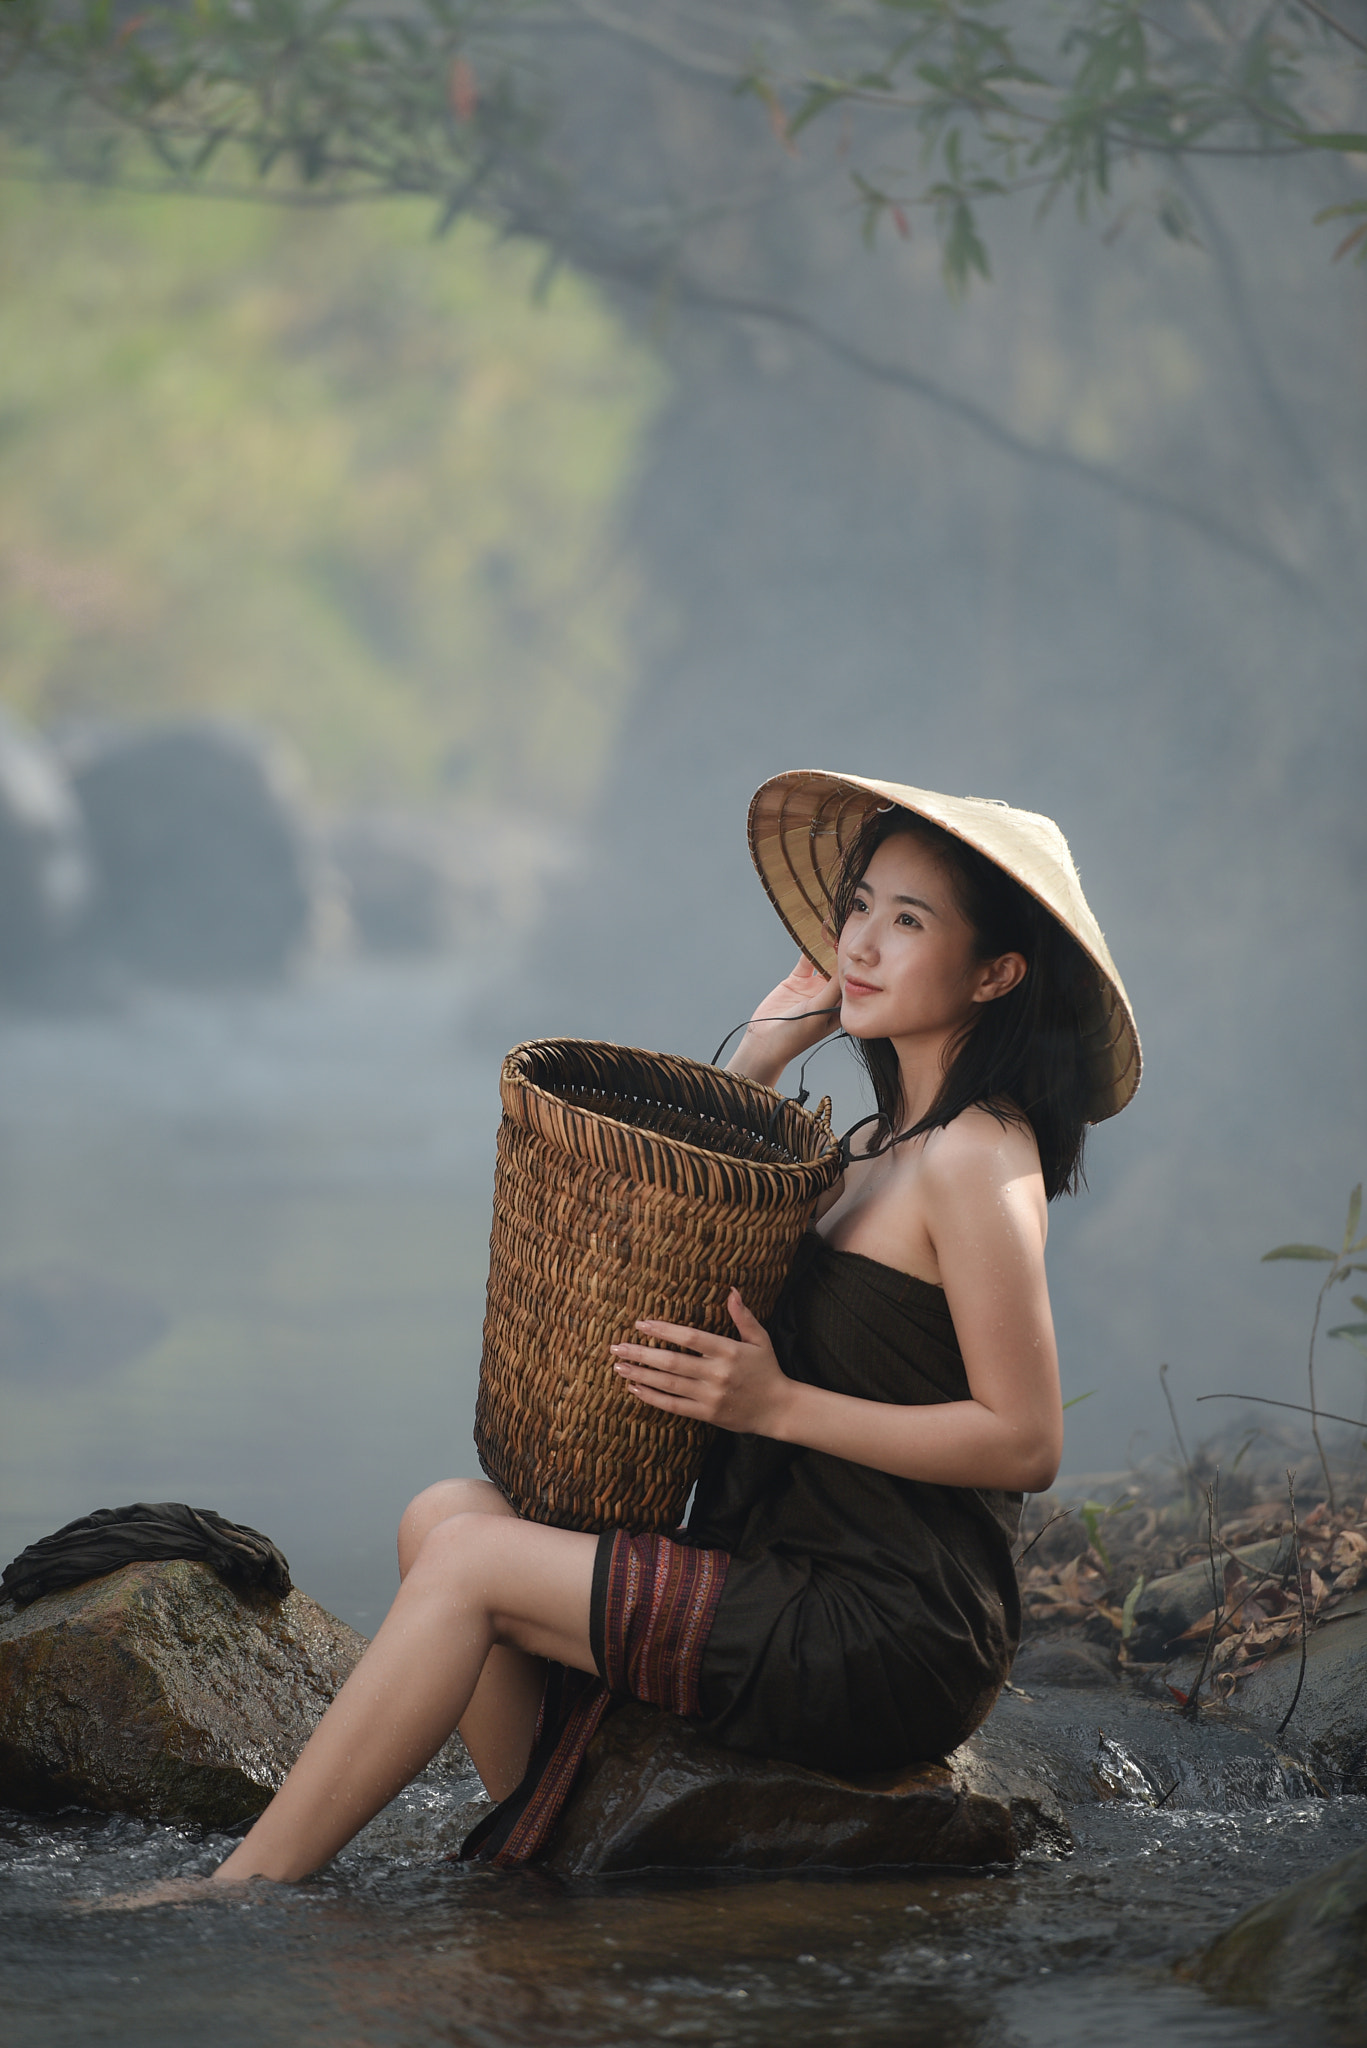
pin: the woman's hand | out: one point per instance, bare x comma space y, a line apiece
783, 1026
736, 1383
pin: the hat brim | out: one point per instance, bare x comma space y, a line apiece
802, 824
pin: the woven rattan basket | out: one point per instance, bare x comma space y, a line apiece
628, 1184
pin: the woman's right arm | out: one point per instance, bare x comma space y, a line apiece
793, 1017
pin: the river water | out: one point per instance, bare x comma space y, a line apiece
242, 1254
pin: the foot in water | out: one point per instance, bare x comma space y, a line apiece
174, 1891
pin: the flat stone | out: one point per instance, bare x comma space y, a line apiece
1055, 1748
1170, 1605
1306, 1946
1062, 1660
654, 1793
159, 1691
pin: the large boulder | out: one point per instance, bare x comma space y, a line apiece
1304, 1948
45, 873
653, 1793
206, 870
1329, 1719
406, 880
159, 1691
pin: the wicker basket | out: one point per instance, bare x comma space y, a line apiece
628, 1184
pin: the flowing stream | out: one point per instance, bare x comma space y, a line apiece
242, 1256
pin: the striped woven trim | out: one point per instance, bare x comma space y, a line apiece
661, 1597
530, 1832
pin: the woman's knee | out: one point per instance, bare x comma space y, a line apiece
460, 1546
438, 1504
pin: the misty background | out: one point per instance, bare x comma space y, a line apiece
536, 578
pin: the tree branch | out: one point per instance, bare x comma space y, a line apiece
1129, 490
1331, 21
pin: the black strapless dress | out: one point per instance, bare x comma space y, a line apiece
866, 1621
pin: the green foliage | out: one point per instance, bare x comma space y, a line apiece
1009, 99
1093, 1514
450, 99
320, 92
304, 468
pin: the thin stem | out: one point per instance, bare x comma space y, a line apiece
1217, 1591
1300, 1588
1186, 1461
1314, 1415
1059, 1515
1296, 1407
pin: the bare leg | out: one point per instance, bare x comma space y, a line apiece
499, 1724
478, 1580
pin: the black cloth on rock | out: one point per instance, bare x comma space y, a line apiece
867, 1621
95, 1544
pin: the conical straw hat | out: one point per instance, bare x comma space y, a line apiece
802, 822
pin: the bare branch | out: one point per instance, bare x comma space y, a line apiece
1332, 21
1129, 490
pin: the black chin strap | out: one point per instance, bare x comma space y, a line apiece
803, 1095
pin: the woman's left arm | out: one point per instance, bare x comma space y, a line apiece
983, 1203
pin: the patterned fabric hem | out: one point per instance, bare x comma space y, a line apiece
654, 1601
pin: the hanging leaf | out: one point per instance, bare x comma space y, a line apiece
1354, 1218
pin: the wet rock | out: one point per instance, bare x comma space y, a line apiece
1330, 1719
45, 872
158, 1691
1058, 1748
1063, 1660
654, 1794
1305, 1947
206, 875
1169, 1606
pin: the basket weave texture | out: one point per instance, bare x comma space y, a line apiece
628, 1184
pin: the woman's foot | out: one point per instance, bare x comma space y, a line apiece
171, 1891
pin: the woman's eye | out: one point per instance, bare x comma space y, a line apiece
913, 923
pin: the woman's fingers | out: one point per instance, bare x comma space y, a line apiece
750, 1327
676, 1333
674, 1364
675, 1404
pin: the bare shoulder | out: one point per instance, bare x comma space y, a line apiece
978, 1142
981, 1157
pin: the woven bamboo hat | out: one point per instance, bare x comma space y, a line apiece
801, 824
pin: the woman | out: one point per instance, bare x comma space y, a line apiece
844, 1594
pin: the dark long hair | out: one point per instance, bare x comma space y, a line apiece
1022, 1057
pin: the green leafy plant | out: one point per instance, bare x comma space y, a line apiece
1341, 1264
1093, 1513
459, 100
1008, 99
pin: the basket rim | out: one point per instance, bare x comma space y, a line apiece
661, 1138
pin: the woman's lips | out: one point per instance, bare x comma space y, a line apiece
860, 988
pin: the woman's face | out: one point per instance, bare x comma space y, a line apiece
906, 958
